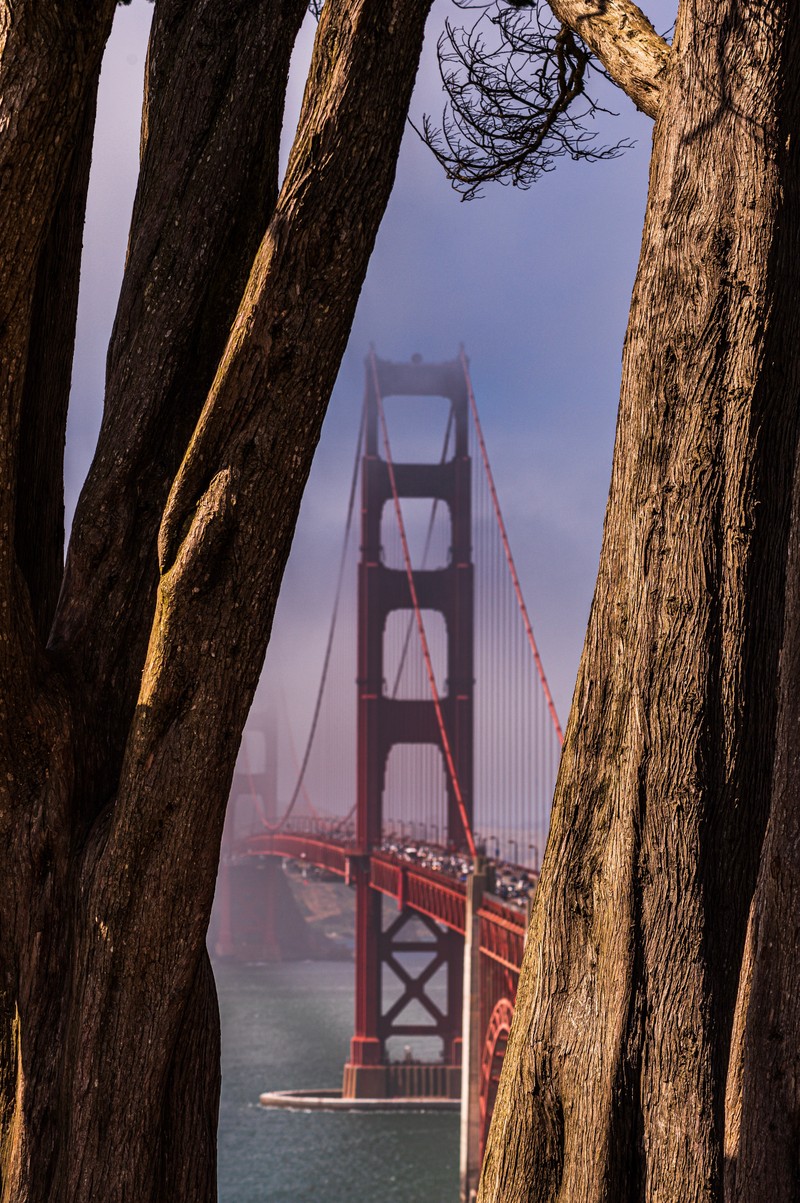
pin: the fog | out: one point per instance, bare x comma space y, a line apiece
535, 284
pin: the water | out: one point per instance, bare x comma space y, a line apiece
288, 1026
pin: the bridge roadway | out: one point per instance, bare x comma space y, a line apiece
430, 892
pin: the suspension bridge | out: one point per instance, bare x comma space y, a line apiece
430, 785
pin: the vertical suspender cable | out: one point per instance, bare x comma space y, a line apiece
507, 549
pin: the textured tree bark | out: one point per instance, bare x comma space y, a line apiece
118, 740
39, 519
622, 37
762, 1134
614, 1082
49, 63
206, 192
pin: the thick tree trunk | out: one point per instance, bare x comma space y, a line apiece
119, 749
614, 1082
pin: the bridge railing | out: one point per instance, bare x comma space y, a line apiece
432, 893
325, 854
502, 932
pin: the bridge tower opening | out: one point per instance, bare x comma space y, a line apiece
385, 721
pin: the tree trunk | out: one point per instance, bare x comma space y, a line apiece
39, 519
614, 1081
200, 212
118, 751
49, 65
762, 1136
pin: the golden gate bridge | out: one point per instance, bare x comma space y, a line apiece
443, 805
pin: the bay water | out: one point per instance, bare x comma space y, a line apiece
287, 1026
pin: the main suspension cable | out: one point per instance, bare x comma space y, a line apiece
326, 662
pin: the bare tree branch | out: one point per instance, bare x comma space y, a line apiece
618, 32
516, 83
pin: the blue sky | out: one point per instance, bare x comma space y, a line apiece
536, 285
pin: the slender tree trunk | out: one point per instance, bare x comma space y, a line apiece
49, 65
614, 1082
39, 519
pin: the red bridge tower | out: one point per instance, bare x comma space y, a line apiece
384, 721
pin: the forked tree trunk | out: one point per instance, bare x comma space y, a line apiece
118, 740
615, 1078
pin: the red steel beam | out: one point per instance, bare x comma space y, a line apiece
325, 854
441, 898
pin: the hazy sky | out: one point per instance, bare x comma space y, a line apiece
536, 285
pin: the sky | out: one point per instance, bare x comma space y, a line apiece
535, 284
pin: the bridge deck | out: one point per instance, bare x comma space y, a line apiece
435, 894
